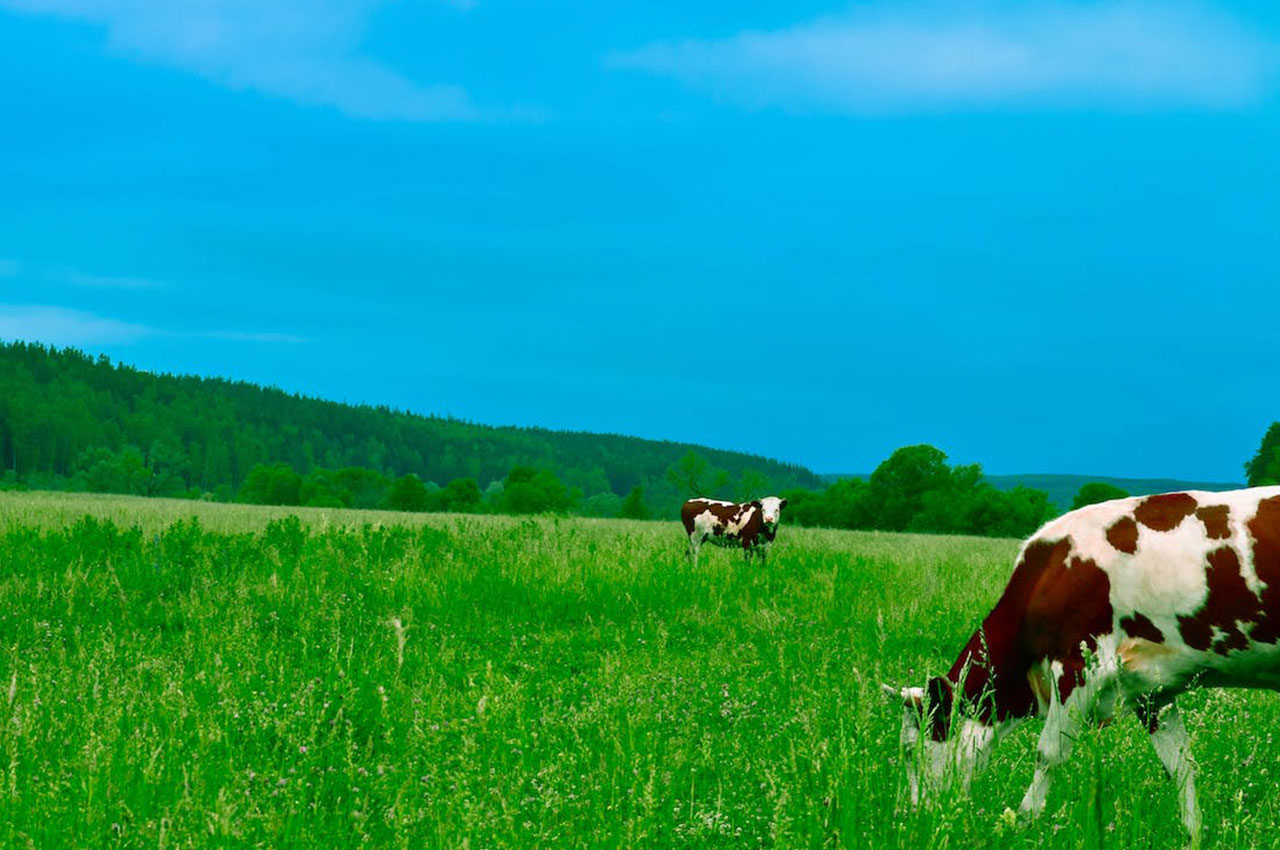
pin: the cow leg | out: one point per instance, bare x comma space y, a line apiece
1172, 744
1060, 728
695, 543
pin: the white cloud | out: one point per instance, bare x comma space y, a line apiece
61, 326
901, 57
64, 326
303, 50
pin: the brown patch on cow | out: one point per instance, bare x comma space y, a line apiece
1229, 601
1139, 626
1215, 521
1123, 535
1165, 512
754, 528
1264, 528
1053, 605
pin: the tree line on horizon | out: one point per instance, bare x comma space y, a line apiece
69, 420
72, 422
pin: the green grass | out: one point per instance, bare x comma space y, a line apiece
347, 679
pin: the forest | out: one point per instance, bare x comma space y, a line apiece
71, 421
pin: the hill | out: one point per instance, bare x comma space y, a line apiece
72, 421
1062, 488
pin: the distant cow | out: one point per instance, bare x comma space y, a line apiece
1133, 600
751, 525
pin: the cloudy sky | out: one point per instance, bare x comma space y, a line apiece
1042, 236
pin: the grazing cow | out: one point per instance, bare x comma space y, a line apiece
751, 525
1133, 600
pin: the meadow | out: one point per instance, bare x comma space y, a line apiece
177, 674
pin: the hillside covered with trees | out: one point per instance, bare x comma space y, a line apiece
72, 421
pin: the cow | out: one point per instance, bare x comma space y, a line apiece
1131, 601
751, 525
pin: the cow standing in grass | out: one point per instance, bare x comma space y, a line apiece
1130, 601
751, 525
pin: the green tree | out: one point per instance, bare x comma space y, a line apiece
320, 490
1095, 492
899, 484
532, 491
846, 504
807, 507
274, 484
693, 475
1264, 467
752, 484
359, 487
463, 496
633, 507
169, 467
602, 505
407, 493
105, 471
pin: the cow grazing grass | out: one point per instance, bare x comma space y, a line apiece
187, 675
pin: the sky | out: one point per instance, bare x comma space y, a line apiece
1042, 236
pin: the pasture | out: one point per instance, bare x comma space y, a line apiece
188, 675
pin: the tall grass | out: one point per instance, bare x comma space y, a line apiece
249, 678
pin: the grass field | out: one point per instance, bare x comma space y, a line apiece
248, 679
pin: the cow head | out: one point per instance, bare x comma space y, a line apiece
938, 756
771, 509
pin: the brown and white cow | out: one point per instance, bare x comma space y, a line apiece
751, 525
1130, 601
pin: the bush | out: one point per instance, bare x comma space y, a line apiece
633, 507
533, 491
276, 484
407, 493
1095, 492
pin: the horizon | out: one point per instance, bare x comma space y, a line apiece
1037, 236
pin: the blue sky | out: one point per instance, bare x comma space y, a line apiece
1041, 236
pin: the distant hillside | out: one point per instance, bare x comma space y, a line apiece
1062, 488
64, 414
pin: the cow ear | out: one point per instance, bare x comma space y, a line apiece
782, 504
756, 503
941, 702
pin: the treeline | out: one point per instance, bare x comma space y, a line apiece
915, 489
524, 490
72, 421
